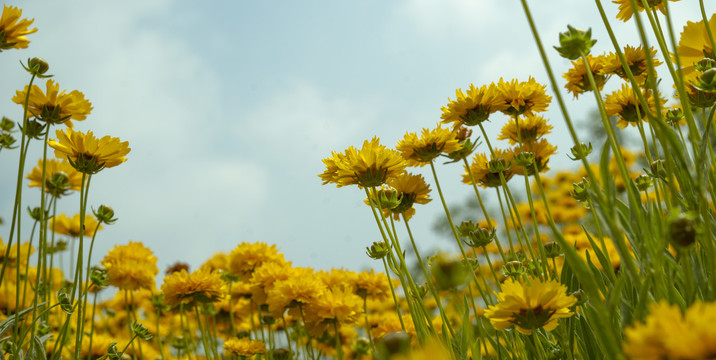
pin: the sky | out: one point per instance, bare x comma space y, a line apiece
229, 107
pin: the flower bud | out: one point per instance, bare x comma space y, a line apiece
468, 146
674, 116
707, 81
394, 343
36, 213
34, 129
386, 199
580, 192
682, 230
6, 141
574, 43
112, 352
38, 66
705, 64
141, 331
657, 169
580, 151
105, 214
513, 268
496, 166
362, 347
378, 250
480, 237
552, 249
525, 159
642, 182
58, 184
6, 124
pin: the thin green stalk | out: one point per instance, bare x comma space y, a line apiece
395, 299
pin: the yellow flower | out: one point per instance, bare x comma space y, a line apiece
635, 60
13, 29
532, 127
623, 103
54, 107
131, 266
626, 11
372, 165
431, 143
12, 259
694, 44
244, 347
63, 225
54, 168
371, 285
542, 151
529, 306
201, 286
472, 107
300, 287
88, 154
576, 76
523, 97
336, 304
480, 169
248, 256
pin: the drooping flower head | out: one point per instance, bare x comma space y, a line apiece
624, 103
694, 44
531, 128
13, 30
483, 172
372, 165
626, 11
636, 61
472, 107
64, 225
576, 76
530, 306
54, 106
419, 151
201, 286
60, 177
523, 97
88, 154
131, 267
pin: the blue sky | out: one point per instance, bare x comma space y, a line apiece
229, 107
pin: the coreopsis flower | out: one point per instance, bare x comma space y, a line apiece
419, 151
371, 285
248, 256
576, 76
131, 267
668, 334
88, 154
300, 287
13, 30
626, 11
409, 189
531, 128
64, 225
12, 260
636, 61
624, 103
523, 97
201, 286
54, 106
541, 150
337, 304
372, 165
482, 172
472, 107
218, 262
530, 306
694, 44
263, 278
60, 177
244, 347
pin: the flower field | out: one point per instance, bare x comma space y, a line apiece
613, 258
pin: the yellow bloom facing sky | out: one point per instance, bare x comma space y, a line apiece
54, 106
626, 11
473, 106
539, 304
523, 97
88, 152
531, 128
64, 225
419, 151
201, 286
131, 267
13, 30
372, 165
623, 103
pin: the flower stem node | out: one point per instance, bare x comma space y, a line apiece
642, 182
498, 165
394, 343
105, 214
574, 43
525, 159
37, 66
580, 151
378, 250
682, 229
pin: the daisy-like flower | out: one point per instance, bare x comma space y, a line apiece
60, 177
623, 103
530, 306
64, 225
403, 191
542, 151
246, 257
300, 287
694, 44
338, 304
12, 259
200, 286
523, 97
371, 285
372, 165
13, 30
472, 107
626, 11
635, 60
480, 169
88, 154
54, 106
131, 266
576, 76
531, 128
419, 151
244, 347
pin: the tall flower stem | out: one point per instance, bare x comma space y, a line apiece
395, 299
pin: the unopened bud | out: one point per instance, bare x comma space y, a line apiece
378, 250
574, 43
580, 151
